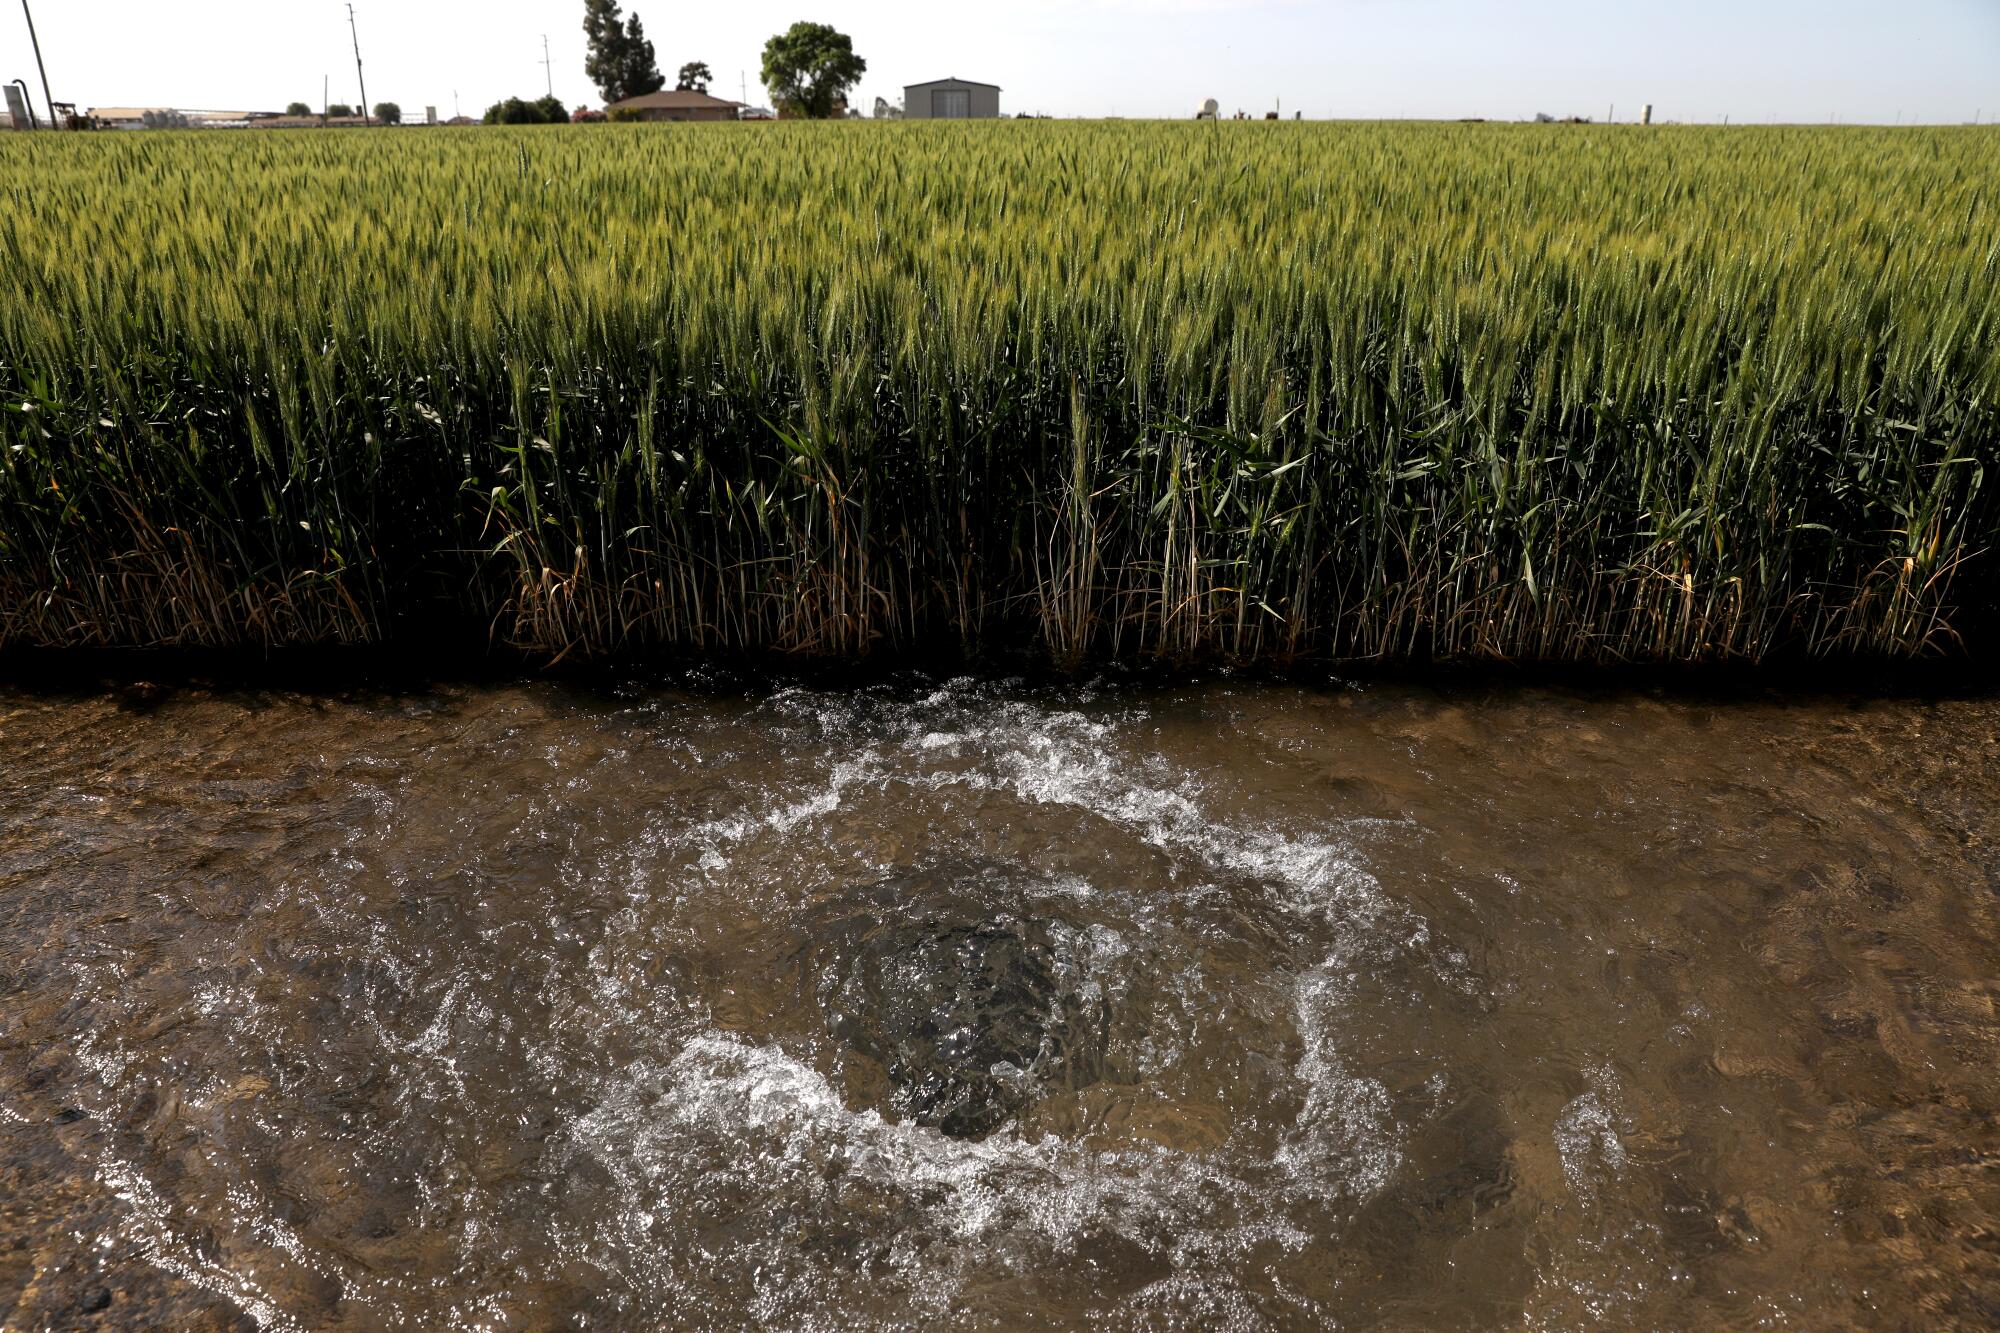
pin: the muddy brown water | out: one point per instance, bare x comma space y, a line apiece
982, 1005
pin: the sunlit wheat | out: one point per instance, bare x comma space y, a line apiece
1252, 392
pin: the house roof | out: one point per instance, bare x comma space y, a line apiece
970, 83
675, 99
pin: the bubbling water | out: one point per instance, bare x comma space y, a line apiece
971, 1015
979, 1005
972, 1068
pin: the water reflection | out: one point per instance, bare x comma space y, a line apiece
977, 1005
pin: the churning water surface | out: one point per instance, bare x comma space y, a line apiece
962, 1004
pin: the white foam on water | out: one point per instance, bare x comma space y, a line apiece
1586, 1138
971, 736
726, 1119
715, 1140
1615, 1260
1346, 1136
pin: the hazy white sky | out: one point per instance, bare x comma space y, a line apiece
1754, 60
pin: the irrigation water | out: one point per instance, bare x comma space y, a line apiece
942, 1004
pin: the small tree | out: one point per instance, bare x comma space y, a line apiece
298, 109
620, 61
389, 113
339, 111
695, 77
552, 110
810, 68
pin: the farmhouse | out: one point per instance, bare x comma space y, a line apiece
675, 104
951, 99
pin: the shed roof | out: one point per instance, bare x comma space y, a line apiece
675, 99
970, 83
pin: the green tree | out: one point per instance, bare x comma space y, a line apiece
389, 113
298, 109
339, 110
514, 111
810, 68
620, 61
695, 76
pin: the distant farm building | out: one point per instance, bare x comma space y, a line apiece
951, 99
173, 118
675, 104
306, 122
137, 117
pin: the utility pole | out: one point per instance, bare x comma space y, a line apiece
359, 76
548, 70
37, 43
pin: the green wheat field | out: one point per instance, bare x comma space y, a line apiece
1085, 392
